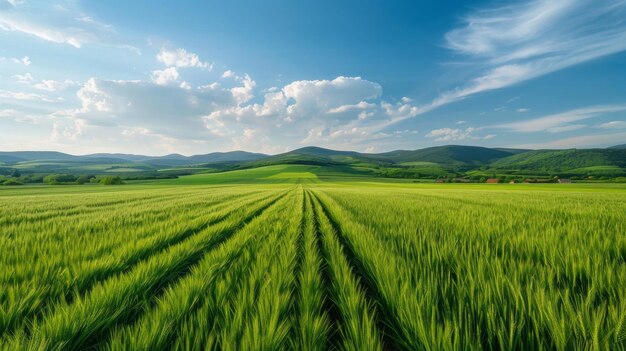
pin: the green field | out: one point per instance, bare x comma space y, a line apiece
312, 258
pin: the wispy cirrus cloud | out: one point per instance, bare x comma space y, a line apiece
529, 39
560, 122
61, 24
18, 95
510, 44
613, 125
595, 140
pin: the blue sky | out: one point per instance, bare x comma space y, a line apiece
195, 77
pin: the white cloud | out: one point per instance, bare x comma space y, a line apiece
225, 117
181, 58
26, 96
15, 3
356, 107
558, 122
46, 84
244, 93
165, 110
584, 141
228, 74
20, 61
461, 122
522, 110
510, 44
62, 24
567, 128
72, 36
613, 125
55, 85
26, 78
165, 76
456, 134
451, 134
8, 113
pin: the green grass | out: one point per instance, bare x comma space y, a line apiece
312, 258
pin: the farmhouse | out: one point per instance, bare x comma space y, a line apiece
492, 180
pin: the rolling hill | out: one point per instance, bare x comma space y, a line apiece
16, 157
440, 161
451, 155
318, 156
580, 161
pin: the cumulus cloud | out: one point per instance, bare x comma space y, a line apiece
166, 110
451, 134
344, 111
181, 58
244, 93
320, 96
165, 76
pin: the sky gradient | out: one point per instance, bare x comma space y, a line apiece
197, 77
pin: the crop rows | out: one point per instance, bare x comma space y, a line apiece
313, 267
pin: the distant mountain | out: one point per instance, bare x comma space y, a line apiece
318, 156
449, 159
451, 155
231, 156
18, 156
127, 157
12, 157
214, 157
9, 158
562, 160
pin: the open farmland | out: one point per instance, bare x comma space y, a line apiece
301, 262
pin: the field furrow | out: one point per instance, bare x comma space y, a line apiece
444, 269
259, 315
36, 300
311, 326
356, 323
307, 264
123, 298
207, 288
